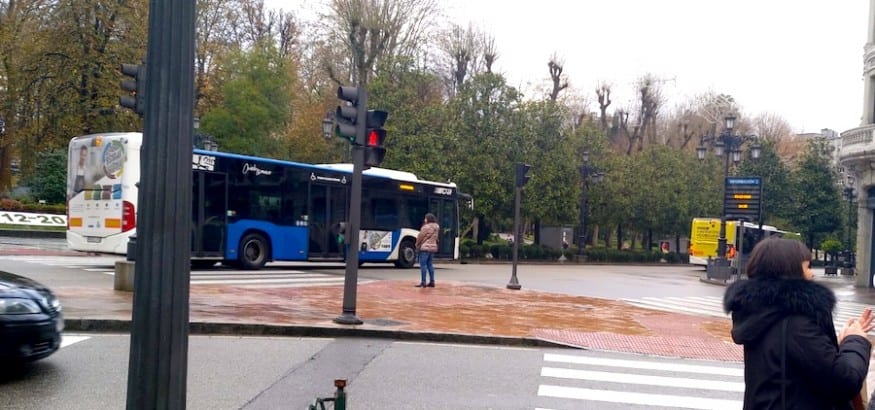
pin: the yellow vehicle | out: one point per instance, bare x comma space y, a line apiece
705, 231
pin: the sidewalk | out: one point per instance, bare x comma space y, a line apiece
450, 312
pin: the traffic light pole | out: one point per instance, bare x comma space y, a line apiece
350, 280
158, 361
514, 282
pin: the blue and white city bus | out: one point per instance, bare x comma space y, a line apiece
247, 211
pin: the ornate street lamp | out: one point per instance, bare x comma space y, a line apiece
587, 173
851, 194
727, 145
327, 126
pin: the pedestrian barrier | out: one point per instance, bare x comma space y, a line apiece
339, 398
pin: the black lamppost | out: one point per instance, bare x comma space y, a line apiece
728, 145
587, 172
849, 193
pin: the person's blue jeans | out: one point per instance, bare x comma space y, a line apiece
426, 264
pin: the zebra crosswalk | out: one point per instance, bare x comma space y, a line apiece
713, 306
579, 381
269, 277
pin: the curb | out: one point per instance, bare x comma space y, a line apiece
241, 329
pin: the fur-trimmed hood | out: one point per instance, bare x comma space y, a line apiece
758, 304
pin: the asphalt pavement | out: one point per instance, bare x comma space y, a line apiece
450, 312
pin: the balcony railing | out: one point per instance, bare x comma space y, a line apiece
861, 135
857, 143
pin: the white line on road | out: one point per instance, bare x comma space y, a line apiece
642, 379
67, 340
625, 397
634, 364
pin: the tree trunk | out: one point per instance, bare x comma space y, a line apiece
595, 234
537, 232
619, 236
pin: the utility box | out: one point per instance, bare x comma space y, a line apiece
553, 236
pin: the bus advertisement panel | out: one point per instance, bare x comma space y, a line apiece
102, 170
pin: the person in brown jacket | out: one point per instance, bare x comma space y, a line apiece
427, 245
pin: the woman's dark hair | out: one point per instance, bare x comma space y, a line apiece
779, 258
429, 217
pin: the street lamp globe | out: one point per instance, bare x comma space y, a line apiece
327, 125
719, 147
755, 150
730, 123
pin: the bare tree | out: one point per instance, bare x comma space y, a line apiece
714, 108
772, 127
603, 91
560, 82
463, 48
490, 53
650, 102
372, 30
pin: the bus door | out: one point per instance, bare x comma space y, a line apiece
328, 209
445, 211
209, 211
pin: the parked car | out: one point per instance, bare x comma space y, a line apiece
30, 319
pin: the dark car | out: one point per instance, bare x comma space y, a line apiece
30, 319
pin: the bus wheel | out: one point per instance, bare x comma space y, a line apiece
254, 251
406, 254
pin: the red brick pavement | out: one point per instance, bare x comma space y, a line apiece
450, 308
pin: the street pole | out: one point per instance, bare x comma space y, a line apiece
581, 235
350, 279
158, 361
721, 240
514, 283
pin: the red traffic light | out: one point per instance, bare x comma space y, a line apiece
375, 137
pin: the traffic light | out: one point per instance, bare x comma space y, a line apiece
521, 174
348, 116
136, 86
374, 137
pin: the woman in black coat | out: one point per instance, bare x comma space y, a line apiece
792, 357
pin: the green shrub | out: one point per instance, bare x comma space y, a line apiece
501, 251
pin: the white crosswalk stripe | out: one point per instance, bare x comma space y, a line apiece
713, 306
579, 381
220, 276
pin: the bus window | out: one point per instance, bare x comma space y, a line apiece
385, 213
416, 210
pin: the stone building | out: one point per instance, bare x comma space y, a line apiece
857, 156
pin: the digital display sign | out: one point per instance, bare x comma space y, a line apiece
742, 198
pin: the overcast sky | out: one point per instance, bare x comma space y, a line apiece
800, 59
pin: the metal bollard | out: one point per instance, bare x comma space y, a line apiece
339, 394
339, 398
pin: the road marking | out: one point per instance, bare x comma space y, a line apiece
67, 340
644, 365
642, 379
615, 381
280, 278
626, 397
712, 306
